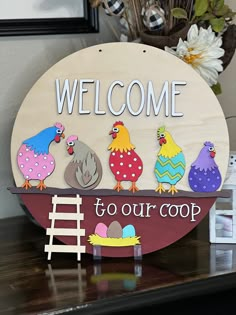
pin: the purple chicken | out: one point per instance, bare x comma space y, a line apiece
204, 175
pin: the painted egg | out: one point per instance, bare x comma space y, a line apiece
129, 284
114, 230
128, 231
113, 7
154, 18
103, 286
101, 229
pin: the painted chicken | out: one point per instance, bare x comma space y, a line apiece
204, 175
124, 162
85, 169
170, 164
33, 157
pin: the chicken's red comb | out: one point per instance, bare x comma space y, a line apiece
71, 138
208, 144
118, 123
59, 125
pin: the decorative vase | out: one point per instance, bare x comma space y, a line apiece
229, 45
159, 40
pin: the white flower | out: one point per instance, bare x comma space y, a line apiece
202, 51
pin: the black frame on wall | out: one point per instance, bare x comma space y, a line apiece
89, 23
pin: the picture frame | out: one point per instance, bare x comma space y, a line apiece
47, 17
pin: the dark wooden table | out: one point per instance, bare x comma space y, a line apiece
29, 284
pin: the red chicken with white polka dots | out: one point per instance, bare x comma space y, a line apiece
124, 162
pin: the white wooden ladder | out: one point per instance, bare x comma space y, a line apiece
78, 232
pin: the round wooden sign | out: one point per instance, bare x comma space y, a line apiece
117, 146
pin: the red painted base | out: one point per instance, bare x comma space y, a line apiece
157, 228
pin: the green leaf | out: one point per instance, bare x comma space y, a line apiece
230, 14
223, 11
217, 24
207, 16
179, 13
216, 88
212, 3
219, 4
201, 7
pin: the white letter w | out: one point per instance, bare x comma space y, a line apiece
65, 93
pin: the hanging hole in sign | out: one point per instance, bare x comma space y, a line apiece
144, 51
100, 50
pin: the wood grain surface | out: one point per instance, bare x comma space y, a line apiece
30, 285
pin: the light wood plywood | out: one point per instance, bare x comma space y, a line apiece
203, 119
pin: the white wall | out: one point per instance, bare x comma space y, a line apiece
26, 9
23, 60
228, 97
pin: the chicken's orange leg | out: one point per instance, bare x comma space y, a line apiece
26, 184
160, 188
172, 190
118, 187
41, 185
133, 187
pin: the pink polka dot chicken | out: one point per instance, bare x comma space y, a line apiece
34, 159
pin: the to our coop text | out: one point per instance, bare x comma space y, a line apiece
144, 210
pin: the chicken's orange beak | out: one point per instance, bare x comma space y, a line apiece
58, 137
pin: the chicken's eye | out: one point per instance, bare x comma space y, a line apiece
162, 135
71, 143
59, 131
211, 149
115, 130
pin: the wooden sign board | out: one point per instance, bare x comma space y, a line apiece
116, 146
